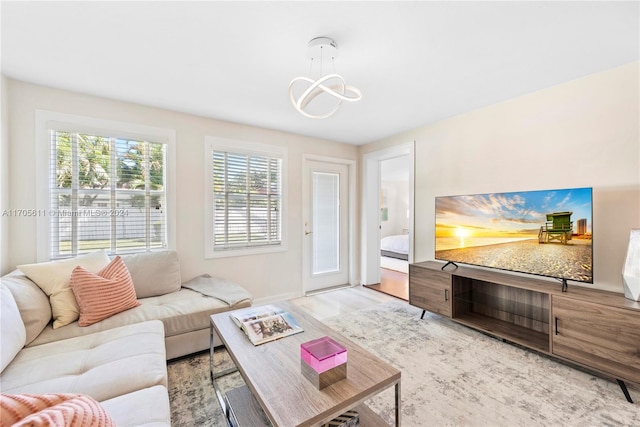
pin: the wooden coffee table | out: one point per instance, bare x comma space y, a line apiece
275, 383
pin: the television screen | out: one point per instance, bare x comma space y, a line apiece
547, 233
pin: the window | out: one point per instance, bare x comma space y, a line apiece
245, 203
106, 189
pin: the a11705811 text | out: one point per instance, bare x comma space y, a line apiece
99, 212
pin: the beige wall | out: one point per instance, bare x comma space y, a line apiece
591, 125
268, 275
4, 176
396, 194
584, 133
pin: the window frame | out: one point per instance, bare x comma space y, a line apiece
47, 120
241, 147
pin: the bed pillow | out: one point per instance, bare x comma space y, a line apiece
53, 410
103, 294
14, 334
54, 279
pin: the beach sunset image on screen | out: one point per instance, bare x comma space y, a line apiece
546, 233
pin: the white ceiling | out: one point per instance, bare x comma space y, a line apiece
415, 62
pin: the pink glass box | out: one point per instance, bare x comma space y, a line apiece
323, 354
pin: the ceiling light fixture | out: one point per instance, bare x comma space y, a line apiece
331, 85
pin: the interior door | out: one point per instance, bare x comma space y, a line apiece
326, 225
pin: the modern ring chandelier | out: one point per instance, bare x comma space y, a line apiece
332, 85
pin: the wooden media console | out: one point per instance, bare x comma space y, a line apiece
594, 329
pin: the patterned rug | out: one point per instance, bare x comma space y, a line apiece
451, 376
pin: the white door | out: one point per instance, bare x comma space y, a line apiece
326, 225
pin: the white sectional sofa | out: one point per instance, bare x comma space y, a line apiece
119, 361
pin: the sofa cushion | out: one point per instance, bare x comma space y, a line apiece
102, 365
103, 294
148, 407
54, 277
181, 312
12, 329
33, 304
55, 410
154, 273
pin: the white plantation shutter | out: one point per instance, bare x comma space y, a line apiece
106, 193
247, 199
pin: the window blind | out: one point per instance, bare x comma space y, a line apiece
246, 200
106, 193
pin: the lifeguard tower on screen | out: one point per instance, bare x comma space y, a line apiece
558, 228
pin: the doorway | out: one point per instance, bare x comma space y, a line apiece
388, 219
327, 223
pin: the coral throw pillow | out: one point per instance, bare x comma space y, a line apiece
55, 410
103, 294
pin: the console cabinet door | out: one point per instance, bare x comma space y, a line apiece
430, 290
602, 337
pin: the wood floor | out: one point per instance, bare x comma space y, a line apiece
340, 301
393, 283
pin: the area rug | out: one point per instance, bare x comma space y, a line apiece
451, 376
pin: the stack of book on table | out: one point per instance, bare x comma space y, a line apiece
348, 419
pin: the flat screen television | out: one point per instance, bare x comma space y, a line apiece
546, 233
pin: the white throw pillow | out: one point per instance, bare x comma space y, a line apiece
33, 304
154, 273
12, 330
54, 279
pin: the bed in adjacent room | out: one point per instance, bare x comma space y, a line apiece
395, 246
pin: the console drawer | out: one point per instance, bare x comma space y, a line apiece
599, 336
430, 290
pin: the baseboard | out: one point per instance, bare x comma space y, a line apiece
329, 289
